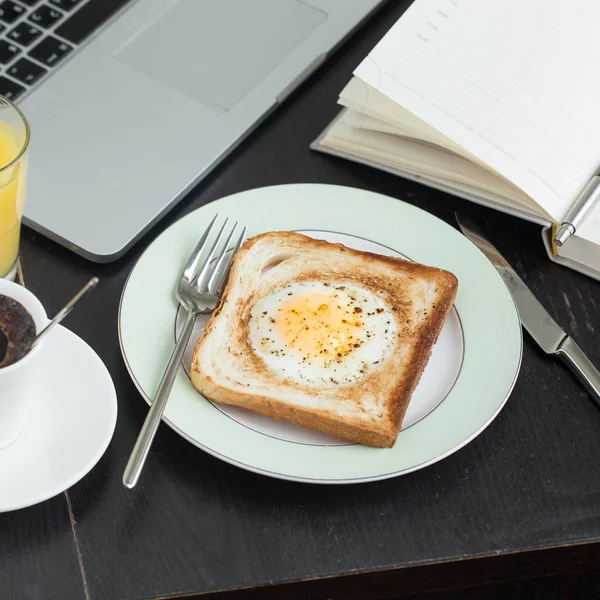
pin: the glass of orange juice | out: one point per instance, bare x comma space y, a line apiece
14, 145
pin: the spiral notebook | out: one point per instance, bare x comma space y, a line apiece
494, 101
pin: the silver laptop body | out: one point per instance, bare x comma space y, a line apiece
137, 115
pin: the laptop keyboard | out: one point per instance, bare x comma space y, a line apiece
36, 36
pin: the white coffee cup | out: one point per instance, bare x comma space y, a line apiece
16, 379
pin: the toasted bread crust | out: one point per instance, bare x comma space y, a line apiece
392, 272
327, 423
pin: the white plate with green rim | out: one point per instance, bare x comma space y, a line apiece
471, 373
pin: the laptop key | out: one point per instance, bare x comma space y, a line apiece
24, 34
29, 2
45, 16
50, 51
65, 4
9, 89
88, 18
26, 71
7, 51
10, 11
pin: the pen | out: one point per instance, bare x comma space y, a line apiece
579, 210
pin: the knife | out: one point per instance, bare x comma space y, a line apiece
534, 317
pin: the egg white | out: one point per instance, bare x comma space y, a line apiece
377, 335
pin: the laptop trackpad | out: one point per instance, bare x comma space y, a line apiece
216, 51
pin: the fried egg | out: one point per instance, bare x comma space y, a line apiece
322, 334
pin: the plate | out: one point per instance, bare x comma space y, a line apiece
70, 422
471, 373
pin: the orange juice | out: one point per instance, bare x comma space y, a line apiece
12, 197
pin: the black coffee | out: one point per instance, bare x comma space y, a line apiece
17, 331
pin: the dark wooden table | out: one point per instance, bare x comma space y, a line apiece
515, 512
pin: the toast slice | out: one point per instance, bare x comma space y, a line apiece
322, 335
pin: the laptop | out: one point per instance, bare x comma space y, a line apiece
132, 103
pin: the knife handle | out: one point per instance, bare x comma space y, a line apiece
581, 365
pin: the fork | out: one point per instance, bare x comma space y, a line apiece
197, 292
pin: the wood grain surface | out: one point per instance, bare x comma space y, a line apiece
38, 554
197, 527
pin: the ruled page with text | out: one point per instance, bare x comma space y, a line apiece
514, 82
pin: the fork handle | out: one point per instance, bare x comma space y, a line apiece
142, 446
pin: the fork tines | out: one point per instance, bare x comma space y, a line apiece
213, 273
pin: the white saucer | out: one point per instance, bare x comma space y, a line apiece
70, 422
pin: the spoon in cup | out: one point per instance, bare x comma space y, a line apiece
61, 314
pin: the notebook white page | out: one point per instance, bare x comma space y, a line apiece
363, 98
413, 156
514, 82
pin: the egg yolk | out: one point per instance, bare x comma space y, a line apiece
319, 326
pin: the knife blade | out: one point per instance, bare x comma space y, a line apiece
534, 317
